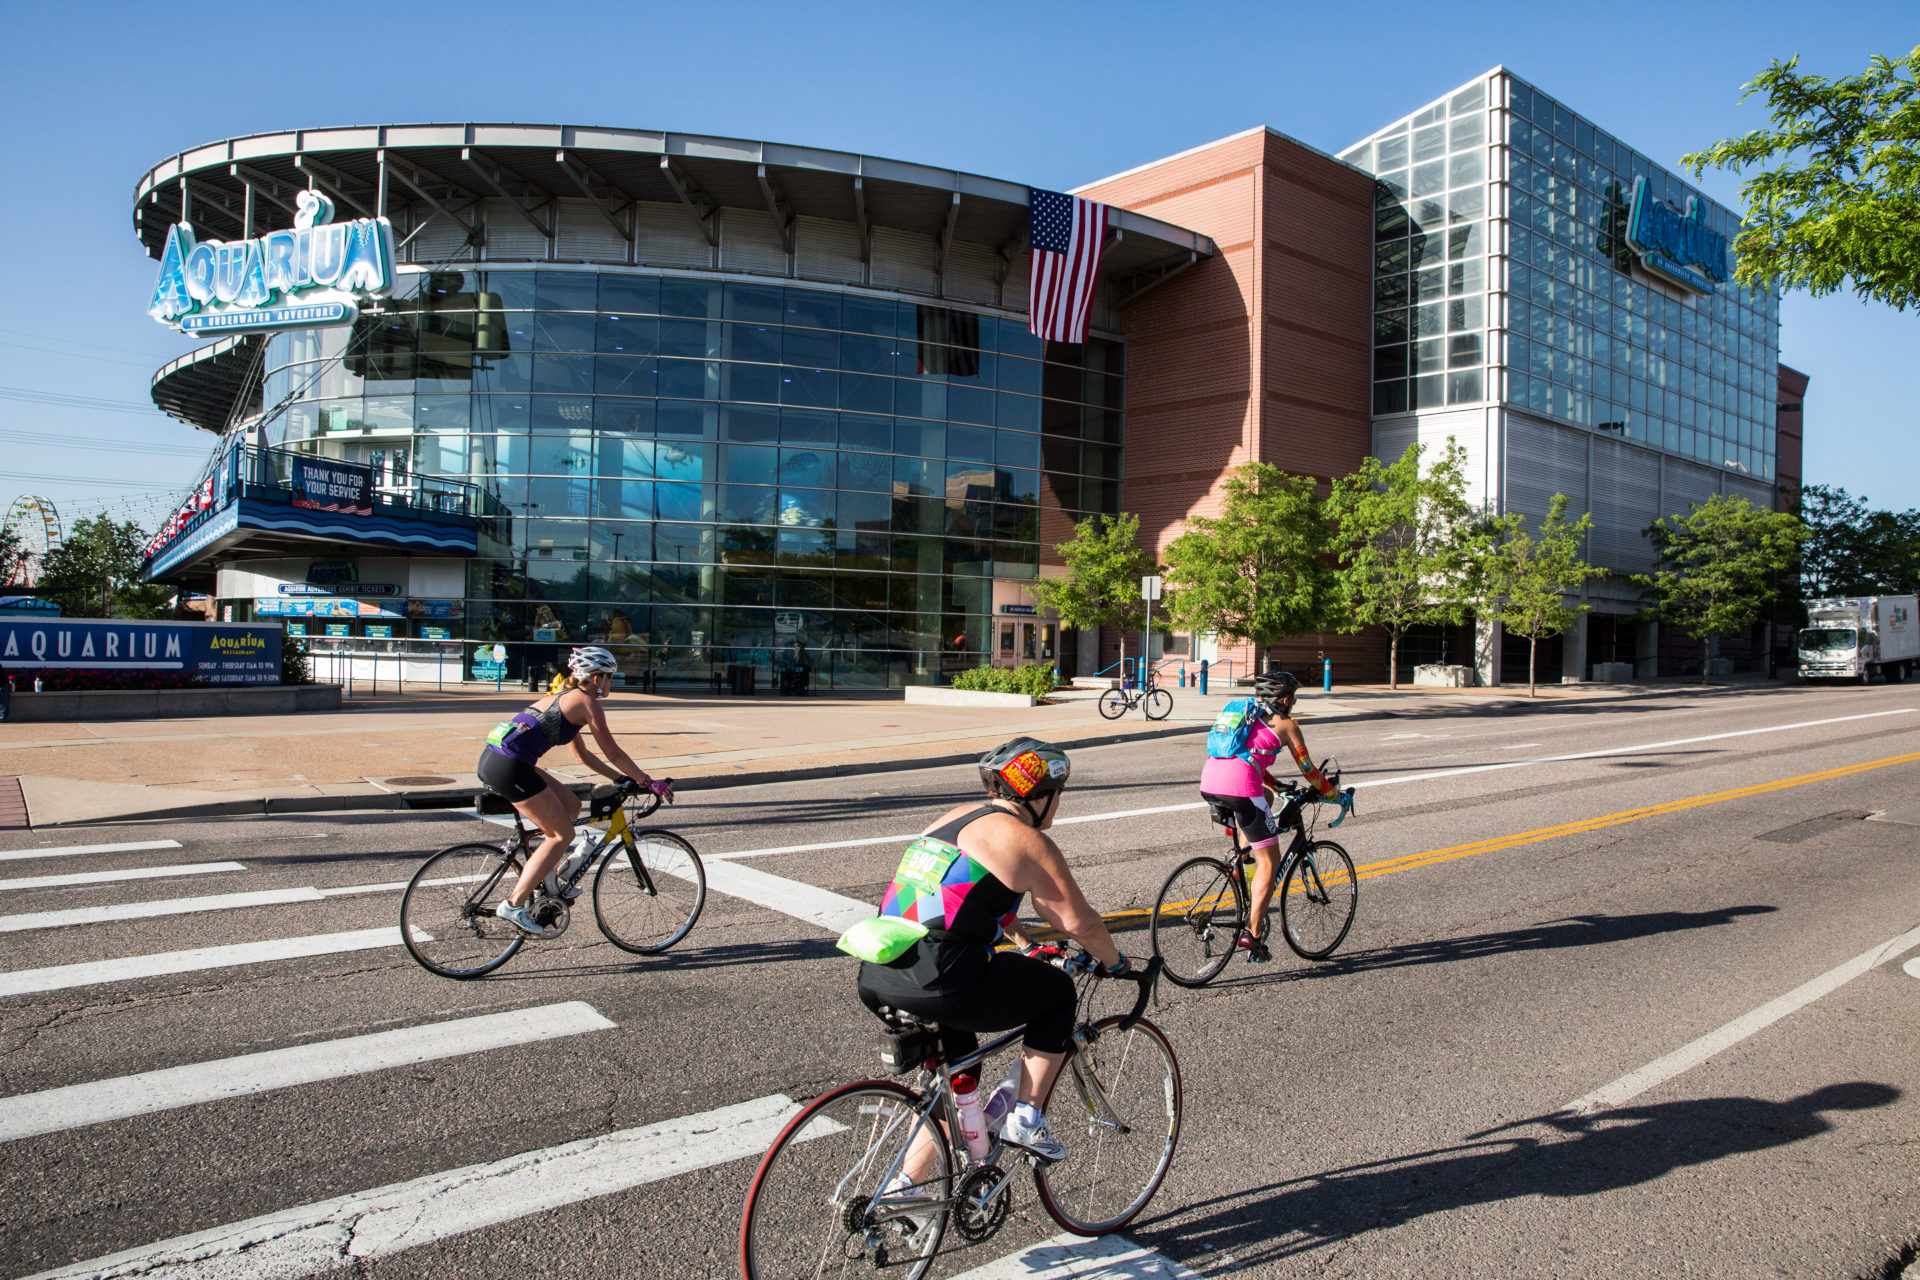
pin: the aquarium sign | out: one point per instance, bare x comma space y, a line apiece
318, 272
1681, 247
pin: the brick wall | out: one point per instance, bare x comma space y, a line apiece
1260, 353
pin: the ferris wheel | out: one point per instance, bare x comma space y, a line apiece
37, 523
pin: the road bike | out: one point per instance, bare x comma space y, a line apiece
823, 1203
648, 888
1156, 703
1203, 905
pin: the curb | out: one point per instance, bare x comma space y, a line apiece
461, 799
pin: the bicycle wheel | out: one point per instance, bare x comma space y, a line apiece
1120, 1129
1114, 704
814, 1208
446, 914
1159, 704
1318, 900
647, 898
1196, 919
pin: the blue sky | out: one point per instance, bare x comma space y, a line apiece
1054, 95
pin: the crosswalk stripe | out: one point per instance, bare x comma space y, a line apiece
52, 1110
1071, 1257
335, 1233
75, 850
112, 877
833, 912
59, 977
36, 921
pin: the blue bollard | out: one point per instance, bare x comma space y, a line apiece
1203, 677
1183, 677
1326, 675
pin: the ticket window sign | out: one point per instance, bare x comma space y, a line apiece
296, 628
379, 631
339, 629
317, 272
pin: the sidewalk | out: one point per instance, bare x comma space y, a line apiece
396, 752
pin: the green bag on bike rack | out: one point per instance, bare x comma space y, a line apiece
881, 940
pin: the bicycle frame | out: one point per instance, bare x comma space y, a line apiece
616, 829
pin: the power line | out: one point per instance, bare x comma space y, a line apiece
117, 446
81, 355
94, 480
66, 400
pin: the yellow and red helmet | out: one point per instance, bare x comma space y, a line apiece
1025, 769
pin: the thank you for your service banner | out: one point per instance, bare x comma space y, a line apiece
323, 485
218, 652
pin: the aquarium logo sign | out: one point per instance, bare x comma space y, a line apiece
317, 273
1679, 246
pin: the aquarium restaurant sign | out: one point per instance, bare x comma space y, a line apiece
318, 272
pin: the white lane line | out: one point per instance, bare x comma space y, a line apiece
111, 877
75, 850
1911, 968
36, 921
1071, 1257
1660, 1070
833, 912
99, 1101
1376, 782
1620, 751
59, 977
372, 1224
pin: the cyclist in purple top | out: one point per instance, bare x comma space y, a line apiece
509, 765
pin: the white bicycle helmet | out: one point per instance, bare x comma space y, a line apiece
591, 661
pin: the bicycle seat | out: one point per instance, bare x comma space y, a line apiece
901, 1020
1222, 816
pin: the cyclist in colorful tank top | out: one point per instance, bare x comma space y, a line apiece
509, 765
962, 880
1241, 785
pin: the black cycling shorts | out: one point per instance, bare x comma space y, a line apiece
517, 780
1014, 990
1252, 814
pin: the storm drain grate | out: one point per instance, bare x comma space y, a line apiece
419, 782
13, 806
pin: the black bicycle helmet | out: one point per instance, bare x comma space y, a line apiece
1025, 769
1275, 688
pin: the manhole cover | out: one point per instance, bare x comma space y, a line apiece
419, 782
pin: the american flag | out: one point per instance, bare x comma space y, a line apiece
1066, 235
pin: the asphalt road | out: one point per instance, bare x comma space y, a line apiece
1396, 1111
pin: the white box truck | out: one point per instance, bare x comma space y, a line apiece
1859, 637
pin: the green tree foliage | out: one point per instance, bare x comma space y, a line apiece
1257, 571
295, 667
1528, 577
95, 572
1715, 566
1854, 550
1102, 585
1836, 201
13, 556
1406, 541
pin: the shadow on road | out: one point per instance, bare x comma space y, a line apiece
1568, 931
1577, 1156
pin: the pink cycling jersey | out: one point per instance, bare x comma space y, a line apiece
1234, 776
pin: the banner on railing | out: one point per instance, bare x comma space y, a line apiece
321, 484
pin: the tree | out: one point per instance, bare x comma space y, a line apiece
1257, 571
95, 572
1715, 565
1833, 518
1854, 550
1528, 578
13, 556
1405, 541
1840, 206
1102, 587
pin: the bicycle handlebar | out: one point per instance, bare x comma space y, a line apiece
1146, 977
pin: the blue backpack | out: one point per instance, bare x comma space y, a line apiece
1227, 740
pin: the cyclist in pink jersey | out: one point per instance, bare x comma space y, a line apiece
1241, 786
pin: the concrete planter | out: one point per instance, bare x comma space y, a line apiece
1445, 676
153, 704
1612, 672
938, 696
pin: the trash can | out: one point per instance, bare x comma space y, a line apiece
740, 679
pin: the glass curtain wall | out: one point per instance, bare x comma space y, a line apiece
1585, 338
705, 472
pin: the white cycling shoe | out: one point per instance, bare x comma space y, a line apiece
520, 918
1026, 1128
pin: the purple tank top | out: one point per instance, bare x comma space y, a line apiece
531, 734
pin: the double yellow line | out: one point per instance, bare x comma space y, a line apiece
1452, 852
